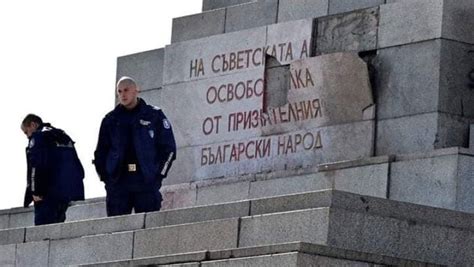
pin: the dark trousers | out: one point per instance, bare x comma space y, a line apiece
49, 211
131, 192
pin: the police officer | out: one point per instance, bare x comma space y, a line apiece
135, 150
55, 172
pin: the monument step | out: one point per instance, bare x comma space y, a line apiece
286, 254
441, 178
333, 218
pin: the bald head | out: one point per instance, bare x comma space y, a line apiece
127, 91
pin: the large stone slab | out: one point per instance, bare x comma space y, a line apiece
235, 52
412, 21
33, 254
408, 22
4, 219
471, 137
145, 67
354, 31
301, 9
291, 259
217, 234
197, 214
198, 25
312, 227
421, 133
91, 249
21, 218
438, 69
7, 255
215, 4
223, 193
204, 58
251, 15
12, 236
337, 6
85, 228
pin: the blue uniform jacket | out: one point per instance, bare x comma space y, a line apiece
153, 141
54, 169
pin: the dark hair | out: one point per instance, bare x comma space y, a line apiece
31, 118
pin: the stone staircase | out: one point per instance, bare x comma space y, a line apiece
390, 182
331, 226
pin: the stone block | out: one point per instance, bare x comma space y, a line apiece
369, 180
363, 232
22, 218
456, 80
287, 45
86, 211
428, 181
409, 22
215, 4
286, 203
289, 185
251, 15
7, 255
198, 25
205, 57
293, 259
277, 152
465, 184
4, 219
222, 193
337, 6
145, 67
301, 9
153, 97
33, 254
91, 249
187, 259
399, 70
197, 214
407, 134
355, 31
12, 236
305, 225
458, 20
217, 234
439, 69
86, 228
421, 133
182, 171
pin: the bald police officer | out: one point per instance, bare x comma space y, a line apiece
134, 153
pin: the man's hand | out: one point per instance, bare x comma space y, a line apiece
37, 198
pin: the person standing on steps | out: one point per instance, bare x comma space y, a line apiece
135, 150
54, 172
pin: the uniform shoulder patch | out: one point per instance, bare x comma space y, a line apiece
166, 124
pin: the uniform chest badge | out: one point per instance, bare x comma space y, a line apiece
31, 143
144, 122
151, 133
166, 124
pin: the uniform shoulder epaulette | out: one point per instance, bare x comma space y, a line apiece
155, 107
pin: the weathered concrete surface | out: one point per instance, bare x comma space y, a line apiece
337, 6
215, 4
251, 15
301, 9
354, 31
12, 236
217, 234
421, 133
91, 249
412, 21
198, 25
145, 67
